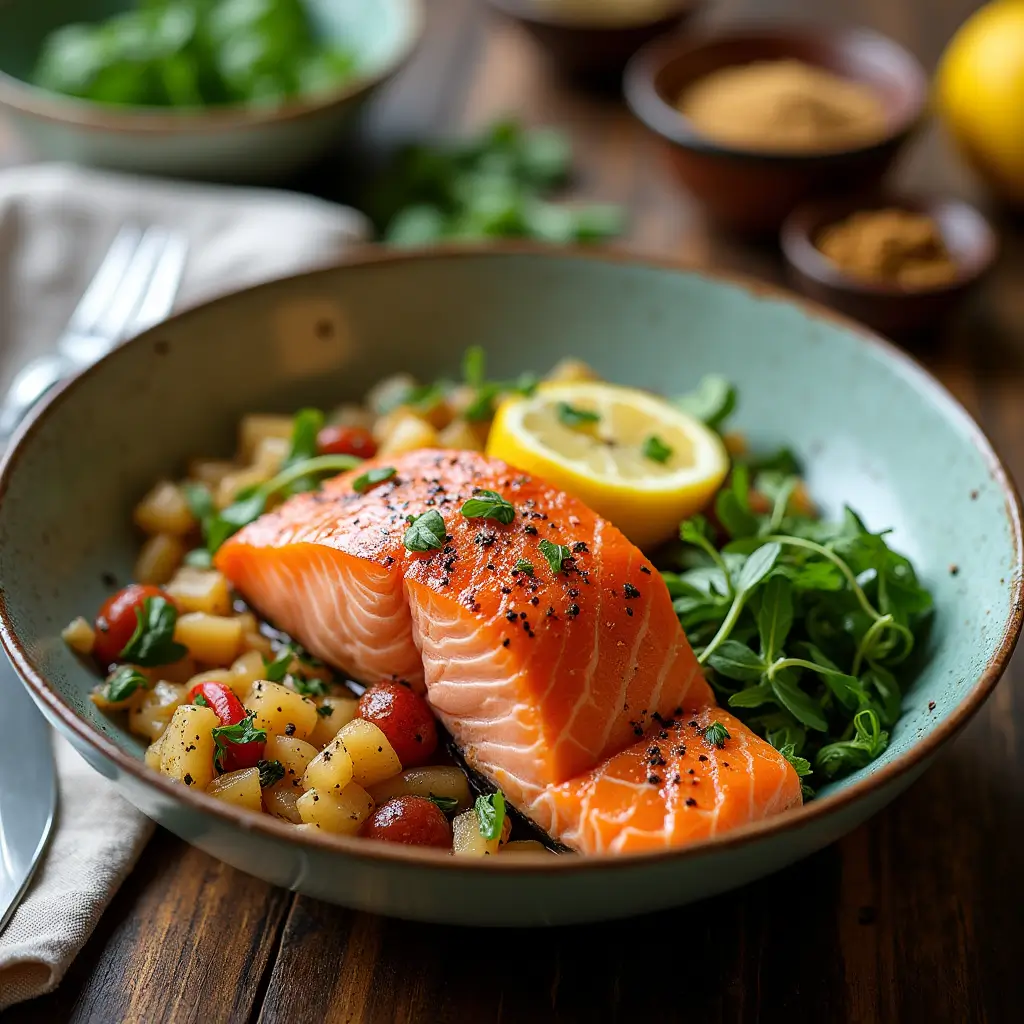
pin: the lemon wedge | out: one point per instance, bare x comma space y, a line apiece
631, 456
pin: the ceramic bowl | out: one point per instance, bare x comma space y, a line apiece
594, 51
875, 430
229, 143
889, 308
752, 192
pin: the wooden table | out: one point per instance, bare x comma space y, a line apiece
917, 916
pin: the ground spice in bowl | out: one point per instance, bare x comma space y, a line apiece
890, 246
784, 106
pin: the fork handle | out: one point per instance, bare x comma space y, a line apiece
32, 381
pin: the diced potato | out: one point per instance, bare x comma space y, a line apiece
200, 590
245, 671
373, 757
306, 829
159, 558
152, 714
389, 392
280, 800
525, 846
212, 675
153, 752
210, 471
254, 640
342, 813
188, 747
467, 841
257, 426
211, 639
79, 635
241, 788
294, 755
341, 711
180, 671
237, 481
248, 621
407, 433
164, 510
351, 415
330, 771
270, 453
572, 371
461, 435
442, 781
281, 711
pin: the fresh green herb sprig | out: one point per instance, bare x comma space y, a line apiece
493, 186
152, 642
490, 814
805, 624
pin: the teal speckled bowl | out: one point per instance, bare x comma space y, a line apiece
874, 429
234, 143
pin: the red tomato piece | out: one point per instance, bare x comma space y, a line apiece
116, 620
413, 820
405, 718
228, 708
358, 441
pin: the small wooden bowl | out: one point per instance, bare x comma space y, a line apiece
888, 308
592, 54
752, 192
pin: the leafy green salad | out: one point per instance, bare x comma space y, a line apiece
806, 625
193, 53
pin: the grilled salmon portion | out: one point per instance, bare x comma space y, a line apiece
543, 672
670, 789
551, 664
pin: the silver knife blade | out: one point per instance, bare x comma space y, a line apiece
28, 790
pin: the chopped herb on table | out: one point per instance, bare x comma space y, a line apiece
495, 186
805, 624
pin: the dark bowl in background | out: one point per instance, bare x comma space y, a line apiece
752, 192
593, 54
891, 309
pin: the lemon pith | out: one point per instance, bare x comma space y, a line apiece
603, 462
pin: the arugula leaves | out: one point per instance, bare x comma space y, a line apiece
426, 532
490, 814
489, 505
802, 623
152, 642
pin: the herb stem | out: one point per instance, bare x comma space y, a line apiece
725, 629
781, 504
318, 464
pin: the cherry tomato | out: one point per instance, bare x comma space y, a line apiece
405, 718
116, 620
221, 700
346, 441
413, 820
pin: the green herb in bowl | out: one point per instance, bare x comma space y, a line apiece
192, 53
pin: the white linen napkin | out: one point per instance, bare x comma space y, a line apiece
56, 223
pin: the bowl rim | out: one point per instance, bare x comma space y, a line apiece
56, 108
408, 857
527, 12
796, 240
646, 103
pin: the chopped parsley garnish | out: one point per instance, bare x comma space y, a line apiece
716, 734
426, 532
122, 683
274, 670
524, 566
446, 803
570, 416
490, 814
241, 732
309, 687
153, 642
325, 711
556, 554
270, 772
656, 450
371, 478
201, 701
489, 505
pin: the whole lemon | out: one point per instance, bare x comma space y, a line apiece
980, 94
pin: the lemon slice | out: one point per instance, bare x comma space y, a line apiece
631, 456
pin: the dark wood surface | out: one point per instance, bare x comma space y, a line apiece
918, 916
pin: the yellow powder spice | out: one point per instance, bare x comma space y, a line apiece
784, 106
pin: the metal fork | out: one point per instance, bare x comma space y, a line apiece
133, 289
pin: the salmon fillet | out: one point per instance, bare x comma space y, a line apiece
541, 677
